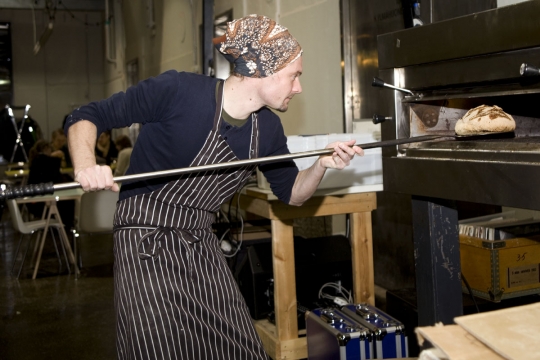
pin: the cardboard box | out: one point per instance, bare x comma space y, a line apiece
364, 170
501, 269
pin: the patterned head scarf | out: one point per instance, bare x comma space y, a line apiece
257, 46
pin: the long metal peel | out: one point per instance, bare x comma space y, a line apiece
49, 188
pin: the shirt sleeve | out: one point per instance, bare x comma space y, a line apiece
143, 103
280, 175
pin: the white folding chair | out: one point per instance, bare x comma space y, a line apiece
96, 216
29, 228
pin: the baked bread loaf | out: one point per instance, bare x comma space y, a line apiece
484, 119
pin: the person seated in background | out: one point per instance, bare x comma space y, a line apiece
124, 147
105, 149
44, 163
59, 143
45, 167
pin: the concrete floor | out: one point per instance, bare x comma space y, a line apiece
56, 316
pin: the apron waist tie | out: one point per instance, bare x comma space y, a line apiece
158, 231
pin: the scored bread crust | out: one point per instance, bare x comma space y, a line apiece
483, 119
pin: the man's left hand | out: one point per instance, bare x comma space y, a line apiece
344, 152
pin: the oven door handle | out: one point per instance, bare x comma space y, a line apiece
380, 83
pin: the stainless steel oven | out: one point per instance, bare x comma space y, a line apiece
451, 67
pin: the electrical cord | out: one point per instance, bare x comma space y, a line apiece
470, 292
240, 234
339, 300
224, 215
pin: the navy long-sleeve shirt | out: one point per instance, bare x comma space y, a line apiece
177, 110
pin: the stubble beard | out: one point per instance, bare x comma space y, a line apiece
285, 105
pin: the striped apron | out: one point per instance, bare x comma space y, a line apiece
175, 297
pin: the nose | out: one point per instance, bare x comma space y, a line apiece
297, 87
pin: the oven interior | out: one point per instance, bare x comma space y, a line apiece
440, 117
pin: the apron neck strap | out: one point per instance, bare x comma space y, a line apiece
219, 105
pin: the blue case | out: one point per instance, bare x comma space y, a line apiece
389, 335
333, 335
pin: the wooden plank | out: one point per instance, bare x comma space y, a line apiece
512, 333
266, 194
362, 258
267, 333
284, 279
256, 206
260, 193
293, 349
287, 349
455, 343
316, 206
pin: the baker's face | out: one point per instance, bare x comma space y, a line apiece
279, 88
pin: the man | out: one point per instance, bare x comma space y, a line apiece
174, 294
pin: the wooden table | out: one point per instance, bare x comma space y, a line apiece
282, 341
52, 210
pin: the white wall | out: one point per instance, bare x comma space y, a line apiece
68, 70
316, 26
114, 58
315, 23
72, 70
172, 44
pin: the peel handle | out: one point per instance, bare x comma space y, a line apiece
26, 191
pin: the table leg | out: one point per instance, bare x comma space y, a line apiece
64, 237
362, 258
284, 279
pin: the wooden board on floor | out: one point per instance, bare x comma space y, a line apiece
455, 343
512, 333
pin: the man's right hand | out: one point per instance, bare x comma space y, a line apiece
96, 178
82, 141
